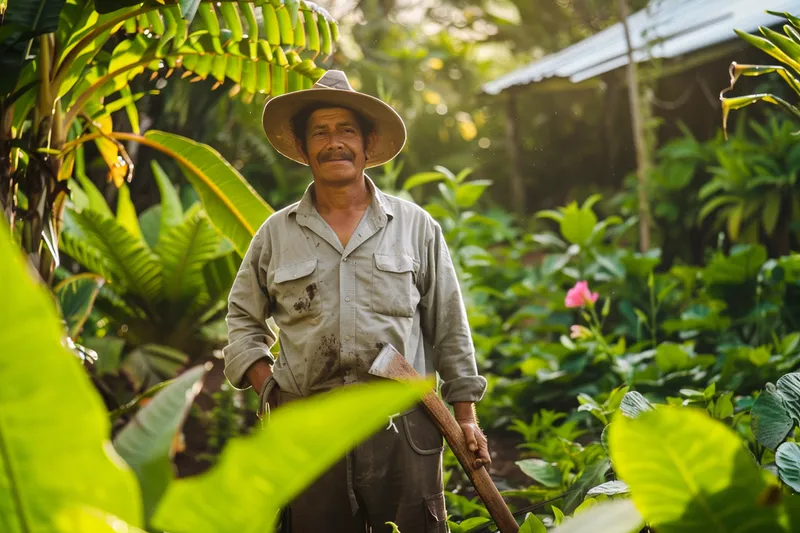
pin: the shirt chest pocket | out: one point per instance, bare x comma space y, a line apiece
296, 289
394, 291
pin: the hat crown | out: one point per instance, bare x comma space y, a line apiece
334, 79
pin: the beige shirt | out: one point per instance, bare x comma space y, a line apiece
334, 306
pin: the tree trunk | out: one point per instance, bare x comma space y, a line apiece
40, 184
6, 174
639, 139
512, 141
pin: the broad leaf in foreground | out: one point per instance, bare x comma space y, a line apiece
146, 442
257, 475
54, 450
613, 516
690, 473
770, 418
788, 460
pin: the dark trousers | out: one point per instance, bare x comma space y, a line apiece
394, 476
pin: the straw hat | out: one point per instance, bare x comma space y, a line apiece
334, 89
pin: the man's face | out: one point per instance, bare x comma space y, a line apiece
335, 146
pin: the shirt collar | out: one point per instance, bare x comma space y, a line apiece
380, 203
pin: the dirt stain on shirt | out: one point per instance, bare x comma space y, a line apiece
324, 367
304, 303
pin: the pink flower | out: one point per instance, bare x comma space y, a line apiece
580, 295
578, 332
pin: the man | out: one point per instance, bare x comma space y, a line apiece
341, 272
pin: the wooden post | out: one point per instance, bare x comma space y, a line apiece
512, 132
639, 139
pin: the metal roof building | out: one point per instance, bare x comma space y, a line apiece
665, 29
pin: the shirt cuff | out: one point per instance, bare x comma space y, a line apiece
236, 365
464, 389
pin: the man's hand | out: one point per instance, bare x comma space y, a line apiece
476, 440
258, 374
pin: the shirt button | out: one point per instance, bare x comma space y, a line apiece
344, 259
347, 337
347, 299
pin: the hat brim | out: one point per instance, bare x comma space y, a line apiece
389, 127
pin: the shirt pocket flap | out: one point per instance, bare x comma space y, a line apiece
295, 271
394, 263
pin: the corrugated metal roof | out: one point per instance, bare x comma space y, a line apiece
665, 29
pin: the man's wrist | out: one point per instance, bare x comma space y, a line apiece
258, 373
465, 412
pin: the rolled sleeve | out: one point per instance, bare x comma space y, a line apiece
445, 326
249, 336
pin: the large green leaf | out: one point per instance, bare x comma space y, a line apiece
87, 255
619, 516
257, 475
171, 209
610, 488
76, 296
54, 449
771, 48
593, 474
80, 43
422, 178
770, 418
548, 474
150, 222
739, 102
788, 460
233, 206
690, 473
578, 223
128, 59
633, 404
146, 442
220, 273
789, 387
469, 193
218, 46
107, 6
126, 212
79, 519
532, 524
184, 251
23, 21
97, 202
129, 258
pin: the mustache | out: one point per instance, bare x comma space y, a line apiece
335, 155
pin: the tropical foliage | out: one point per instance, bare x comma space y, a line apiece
628, 391
785, 47
86, 57
168, 273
